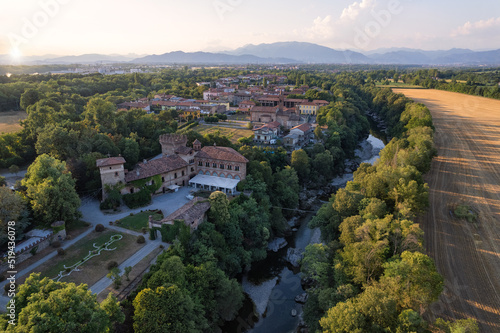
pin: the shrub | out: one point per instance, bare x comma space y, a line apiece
137, 199
55, 244
144, 230
109, 204
61, 252
68, 237
99, 228
141, 239
7, 287
112, 264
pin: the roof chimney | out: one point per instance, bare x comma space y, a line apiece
144, 161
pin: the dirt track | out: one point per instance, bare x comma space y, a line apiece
466, 171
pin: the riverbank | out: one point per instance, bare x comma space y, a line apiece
273, 283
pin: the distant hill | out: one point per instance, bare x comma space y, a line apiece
89, 58
305, 52
282, 53
180, 57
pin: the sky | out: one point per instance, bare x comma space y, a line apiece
73, 27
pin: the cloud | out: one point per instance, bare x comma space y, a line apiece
321, 27
477, 27
353, 10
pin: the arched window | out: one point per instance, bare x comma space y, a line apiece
229, 176
207, 173
237, 177
214, 174
201, 172
222, 175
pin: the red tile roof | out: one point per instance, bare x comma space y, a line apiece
155, 167
221, 153
103, 162
190, 212
303, 127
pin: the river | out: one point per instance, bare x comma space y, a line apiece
272, 284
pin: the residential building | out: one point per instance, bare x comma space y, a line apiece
193, 214
267, 132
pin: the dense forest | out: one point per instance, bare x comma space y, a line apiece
369, 275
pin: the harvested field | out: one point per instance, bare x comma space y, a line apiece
465, 172
9, 121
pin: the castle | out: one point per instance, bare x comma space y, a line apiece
210, 168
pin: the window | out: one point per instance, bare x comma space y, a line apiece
214, 165
183, 172
200, 163
192, 169
236, 168
207, 164
116, 174
191, 161
110, 168
175, 175
229, 167
221, 166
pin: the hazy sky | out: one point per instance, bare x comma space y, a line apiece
72, 27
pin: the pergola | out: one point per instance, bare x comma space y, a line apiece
213, 183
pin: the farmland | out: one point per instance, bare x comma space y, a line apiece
9, 121
465, 173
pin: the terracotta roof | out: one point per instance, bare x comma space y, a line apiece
296, 100
155, 167
268, 109
321, 101
271, 125
103, 162
190, 212
303, 127
308, 103
183, 150
221, 153
197, 142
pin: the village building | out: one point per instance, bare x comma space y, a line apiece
267, 132
211, 168
192, 214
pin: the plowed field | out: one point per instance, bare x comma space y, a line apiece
465, 172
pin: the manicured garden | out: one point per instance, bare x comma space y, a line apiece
137, 222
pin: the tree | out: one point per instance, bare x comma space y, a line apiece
166, 309
43, 305
300, 162
219, 208
12, 208
3, 181
29, 97
51, 191
115, 276
413, 281
14, 169
126, 272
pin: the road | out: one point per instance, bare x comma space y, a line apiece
466, 171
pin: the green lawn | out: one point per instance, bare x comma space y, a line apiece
138, 221
92, 270
232, 133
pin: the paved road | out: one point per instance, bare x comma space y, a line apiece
167, 203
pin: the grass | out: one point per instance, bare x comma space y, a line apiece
465, 212
96, 268
140, 220
232, 133
9, 121
239, 116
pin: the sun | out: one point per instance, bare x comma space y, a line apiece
15, 54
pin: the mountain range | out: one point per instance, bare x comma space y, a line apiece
284, 53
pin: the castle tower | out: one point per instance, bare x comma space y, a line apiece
170, 142
112, 172
197, 145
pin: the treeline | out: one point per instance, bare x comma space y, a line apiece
371, 275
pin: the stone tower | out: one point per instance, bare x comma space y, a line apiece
170, 142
